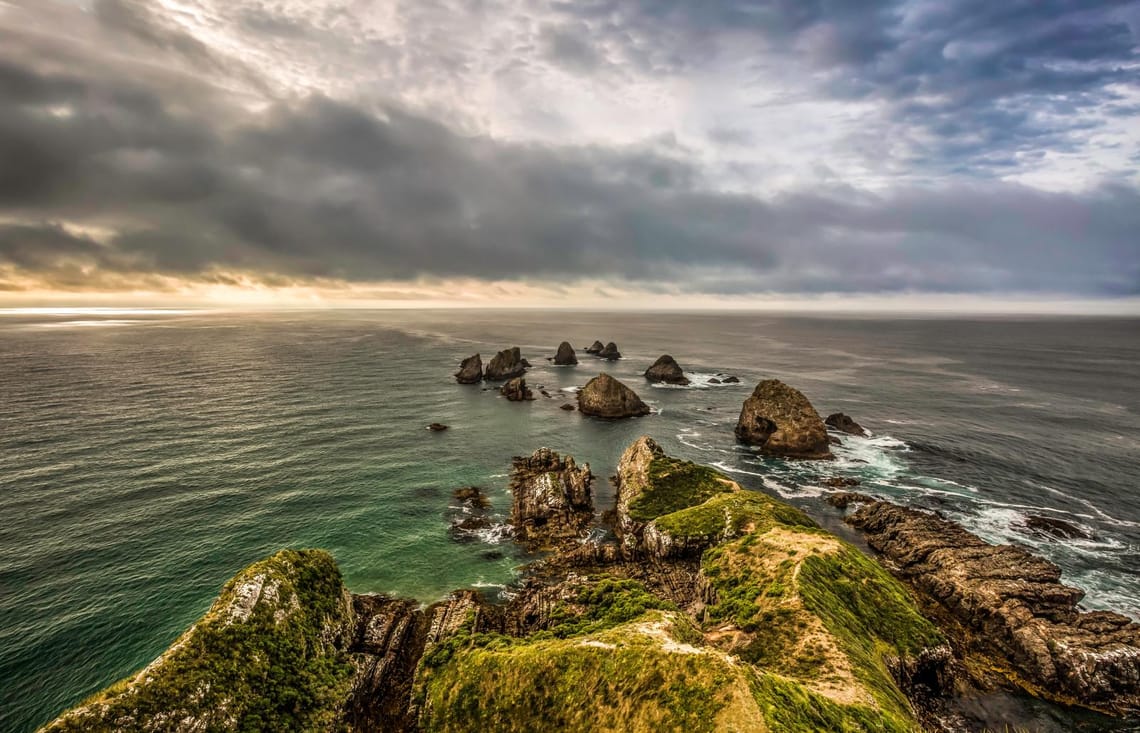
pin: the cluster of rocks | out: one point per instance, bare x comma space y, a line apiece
1010, 605
608, 351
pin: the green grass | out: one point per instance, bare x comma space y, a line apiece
624, 681
727, 514
673, 485
791, 708
263, 673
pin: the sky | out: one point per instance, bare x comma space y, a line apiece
953, 153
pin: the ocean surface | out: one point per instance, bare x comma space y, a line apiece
146, 457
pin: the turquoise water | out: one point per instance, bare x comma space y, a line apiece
146, 458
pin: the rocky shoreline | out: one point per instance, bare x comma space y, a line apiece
690, 604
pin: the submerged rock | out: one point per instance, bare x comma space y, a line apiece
569, 407
507, 364
1014, 608
470, 370
610, 352
604, 396
667, 370
472, 497
1056, 528
553, 498
437, 427
516, 390
595, 348
844, 424
565, 355
782, 422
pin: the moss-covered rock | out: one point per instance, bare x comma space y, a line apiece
268, 655
719, 519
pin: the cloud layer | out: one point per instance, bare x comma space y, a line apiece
727, 148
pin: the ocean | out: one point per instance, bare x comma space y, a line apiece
147, 456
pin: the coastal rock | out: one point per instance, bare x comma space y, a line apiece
470, 370
667, 370
844, 424
1056, 528
565, 355
290, 621
610, 352
553, 498
604, 396
437, 427
507, 364
731, 380
516, 390
388, 642
844, 499
595, 348
568, 406
1014, 608
840, 482
472, 497
782, 422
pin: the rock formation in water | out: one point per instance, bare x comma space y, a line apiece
516, 390
610, 352
604, 396
507, 364
667, 370
437, 427
565, 355
1056, 528
553, 498
844, 424
1013, 606
470, 370
595, 348
717, 609
568, 406
780, 421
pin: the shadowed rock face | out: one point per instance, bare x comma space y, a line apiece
553, 498
604, 396
782, 422
507, 364
667, 370
595, 348
470, 370
516, 390
844, 424
565, 355
610, 352
1013, 603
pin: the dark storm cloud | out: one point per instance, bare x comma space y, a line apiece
109, 173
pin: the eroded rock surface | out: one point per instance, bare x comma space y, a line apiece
553, 497
667, 370
781, 421
470, 370
844, 424
507, 364
516, 390
565, 355
604, 396
1013, 603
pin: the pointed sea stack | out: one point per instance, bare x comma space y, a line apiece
595, 348
782, 422
604, 396
507, 364
667, 370
470, 370
610, 352
565, 355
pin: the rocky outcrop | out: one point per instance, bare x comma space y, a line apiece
516, 390
667, 370
565, 355
553, 498
470, 370
610, 352
780, 421
604, 396
568, 407
290, 621
387, 645
844, 424
437, 427
507, 364
595, 348
1012, 605
1056, 528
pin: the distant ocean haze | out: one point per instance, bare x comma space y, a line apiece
147, 457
